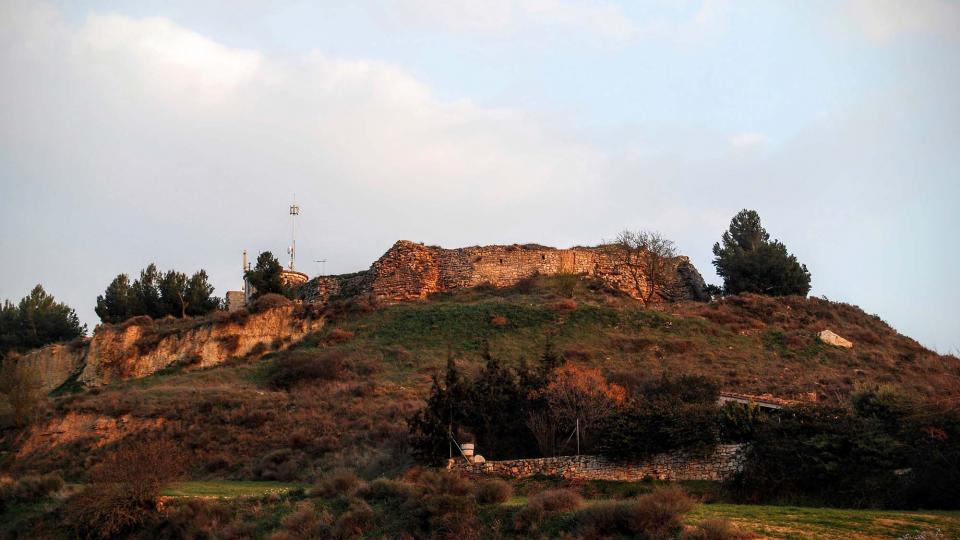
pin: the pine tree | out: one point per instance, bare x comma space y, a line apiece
748, 261
115, 304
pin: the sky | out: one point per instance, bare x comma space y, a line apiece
178, 132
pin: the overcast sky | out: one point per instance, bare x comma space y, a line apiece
177, 132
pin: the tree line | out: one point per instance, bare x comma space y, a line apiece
157, 294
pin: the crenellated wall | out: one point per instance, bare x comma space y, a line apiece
721, 464
411, 271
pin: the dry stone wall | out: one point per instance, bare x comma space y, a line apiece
724, 462
411, 271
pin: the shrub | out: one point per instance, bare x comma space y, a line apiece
269, 301
301, 366
339, 483
355, 521
124, 488
492, 491
28, 489
655, 515
339, 335
567, 304
499, 321
715, 529
558, 500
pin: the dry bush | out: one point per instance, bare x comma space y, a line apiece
339, 483
558, 500
339, 335
124, 487
269, 301
655, 515
358, 518
303, 366
567, 304
499, 321
304, 523
28, 489
492, 491
715, 529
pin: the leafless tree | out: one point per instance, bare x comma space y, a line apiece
646, 258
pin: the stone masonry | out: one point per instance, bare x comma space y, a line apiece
724, 462
411, 271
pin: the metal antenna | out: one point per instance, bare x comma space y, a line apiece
323, 266
292, 250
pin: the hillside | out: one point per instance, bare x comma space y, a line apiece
374, 366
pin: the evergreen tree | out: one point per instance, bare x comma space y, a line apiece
146, 293
36, 321
199, 293
173, 293
265, 276
115, 304
748, 261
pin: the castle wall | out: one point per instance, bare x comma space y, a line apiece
724, 462
411, 271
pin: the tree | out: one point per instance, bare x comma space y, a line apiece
157, 295
645, 257
115, 305
199, 293
146, 293
266, 276
581, 396
36, 321
173, 293
748, 261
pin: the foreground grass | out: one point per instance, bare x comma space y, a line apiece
765, 521
792, 522
228, 489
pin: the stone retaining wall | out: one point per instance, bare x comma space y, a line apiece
723, 463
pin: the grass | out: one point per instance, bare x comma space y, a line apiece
228, 489
792, 522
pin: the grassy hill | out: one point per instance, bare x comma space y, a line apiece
378, 362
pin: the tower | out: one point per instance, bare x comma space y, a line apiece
292, 250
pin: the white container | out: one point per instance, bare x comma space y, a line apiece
467, 449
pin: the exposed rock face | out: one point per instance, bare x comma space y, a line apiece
830, 338
124, 352
56, 363
79, 426
410, 271
131, 350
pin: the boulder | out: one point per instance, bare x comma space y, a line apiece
830, 338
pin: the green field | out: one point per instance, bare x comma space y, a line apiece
227, 489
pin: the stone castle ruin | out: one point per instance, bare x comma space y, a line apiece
412, 271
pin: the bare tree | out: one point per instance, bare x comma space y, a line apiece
646, 258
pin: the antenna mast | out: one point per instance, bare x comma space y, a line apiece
292, 250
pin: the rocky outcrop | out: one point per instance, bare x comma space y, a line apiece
134, 350
141, 346
411, 271
100, 430
55, 364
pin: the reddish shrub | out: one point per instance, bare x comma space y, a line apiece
269, 301
499, 321
567, 304
339, 335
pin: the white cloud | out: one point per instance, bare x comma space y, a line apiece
885, 20
600, 21
742, 141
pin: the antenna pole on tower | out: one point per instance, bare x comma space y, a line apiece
292, 250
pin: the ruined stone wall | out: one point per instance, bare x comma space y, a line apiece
726, 461
411, 271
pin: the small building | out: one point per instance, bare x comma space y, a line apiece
764, 401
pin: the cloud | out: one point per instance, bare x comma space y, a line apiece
887, 20
742, 141
596, 21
